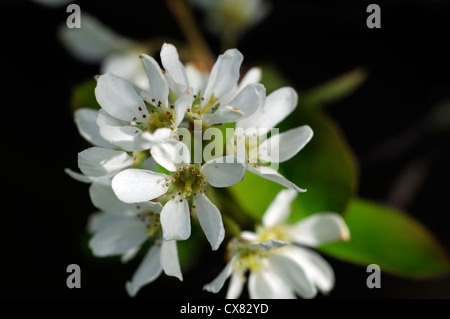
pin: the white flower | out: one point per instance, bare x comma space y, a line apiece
279, 268
124, 119
279, 147
184, 187
121, 229
213, 102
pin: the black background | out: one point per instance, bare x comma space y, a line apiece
45, 211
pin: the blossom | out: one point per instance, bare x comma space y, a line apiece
213, 103
121, 229
124, 119
279, 147
185, 189
278, 267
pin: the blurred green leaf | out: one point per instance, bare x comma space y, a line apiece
334, 89
390, 238
254, 194
83, 96
272, 78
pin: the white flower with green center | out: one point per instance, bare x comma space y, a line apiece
131, 123
121, 229
279, 148
183, 190
213, 103
278, 267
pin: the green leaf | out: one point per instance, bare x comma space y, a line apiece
390, 238
334, 89
83, 96
254, 194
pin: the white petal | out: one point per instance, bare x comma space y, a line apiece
197, 78
278, 105
138, 185
249, 235
83, 178
266, 284
85, 120
175, 219
129, 254
105, 119
169, 259
268, 245
282, 147
224, 74
148, 271
217, 284
127, 65
118, 238
118, 97
225, 114
172, 64
272, 175
124, 137
92, 41
159, 90
97, 161
181, 105
252, 76
210, 220
223, 171
293, 275
171, 154
235, 287
279, 209
147, 140
247, 100
103, 220
316, 268
103, 197
319, 228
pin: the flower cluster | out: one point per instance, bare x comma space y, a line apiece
151, 174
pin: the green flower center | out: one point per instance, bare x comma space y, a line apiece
161, 117
188, 180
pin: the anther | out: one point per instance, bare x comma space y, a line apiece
139, 108
144, 116
172, 106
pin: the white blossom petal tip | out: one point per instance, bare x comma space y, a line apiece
138, 185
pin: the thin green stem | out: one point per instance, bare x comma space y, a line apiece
199, 49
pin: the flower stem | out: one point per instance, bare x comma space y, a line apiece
199, 49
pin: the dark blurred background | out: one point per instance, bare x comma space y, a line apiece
310, 42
